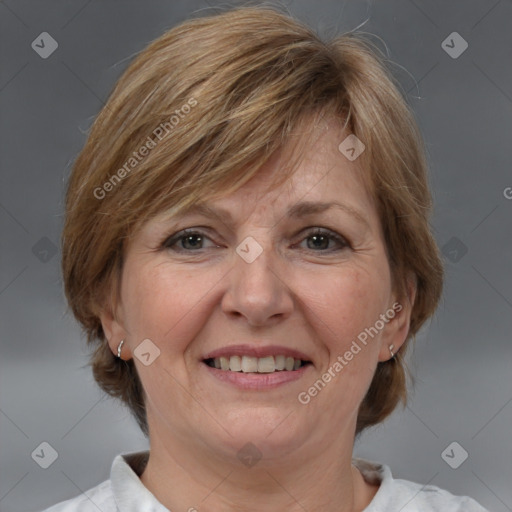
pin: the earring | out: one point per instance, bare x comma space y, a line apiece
119, 349
391, 347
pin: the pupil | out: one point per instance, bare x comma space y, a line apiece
188, 238
317, 238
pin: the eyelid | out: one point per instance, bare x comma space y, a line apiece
176, 236
323, 231
170, 240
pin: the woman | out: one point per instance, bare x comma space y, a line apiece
247, 246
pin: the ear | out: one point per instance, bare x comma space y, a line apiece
114, 332
397, 328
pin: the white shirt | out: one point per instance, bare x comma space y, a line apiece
124, 492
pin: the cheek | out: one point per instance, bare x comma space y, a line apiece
342, 304
160, 302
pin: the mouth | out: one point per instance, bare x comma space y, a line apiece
252, 364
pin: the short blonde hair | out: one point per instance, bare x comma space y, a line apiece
211, 101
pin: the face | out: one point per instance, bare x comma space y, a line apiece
261, 282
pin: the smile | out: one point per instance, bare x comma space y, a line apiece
251, 364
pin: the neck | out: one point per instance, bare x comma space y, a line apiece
185, 477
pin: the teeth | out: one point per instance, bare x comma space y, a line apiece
235, 363
280, 362
250, 364
266, 364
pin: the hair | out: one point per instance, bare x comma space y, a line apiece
197, 113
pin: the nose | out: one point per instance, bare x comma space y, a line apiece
258, 291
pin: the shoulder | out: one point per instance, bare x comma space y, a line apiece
397, 494
97, 498
430, 498
123, 490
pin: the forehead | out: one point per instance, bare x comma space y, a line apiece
321, 174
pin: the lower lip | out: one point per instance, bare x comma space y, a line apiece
258, 381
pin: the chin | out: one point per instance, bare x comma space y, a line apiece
271, 430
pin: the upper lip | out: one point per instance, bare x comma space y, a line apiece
257, 351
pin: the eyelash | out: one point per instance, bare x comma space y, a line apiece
170, 241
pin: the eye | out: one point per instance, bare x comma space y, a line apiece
193, 240
186, 240
321, 237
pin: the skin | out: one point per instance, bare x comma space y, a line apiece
315, 298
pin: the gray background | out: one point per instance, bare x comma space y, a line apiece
462, 358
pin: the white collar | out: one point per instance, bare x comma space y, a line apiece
131, 495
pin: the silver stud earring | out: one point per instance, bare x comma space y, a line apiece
119, 349
391, 347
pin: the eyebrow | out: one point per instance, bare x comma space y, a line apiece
298, 210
